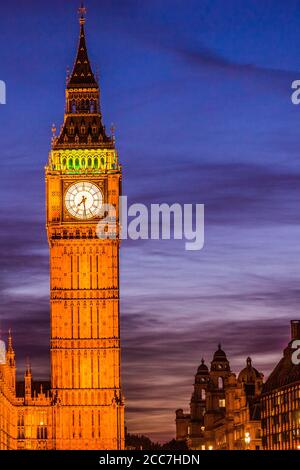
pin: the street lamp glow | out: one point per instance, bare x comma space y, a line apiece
247, 438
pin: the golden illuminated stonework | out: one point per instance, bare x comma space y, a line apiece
82, 406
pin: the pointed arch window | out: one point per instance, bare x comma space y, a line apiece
220, 383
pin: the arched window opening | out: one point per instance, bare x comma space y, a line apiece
220, 383
41, 432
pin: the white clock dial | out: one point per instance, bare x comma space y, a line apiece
83, 200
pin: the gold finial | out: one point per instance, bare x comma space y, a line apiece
82, 13
68, 75
53, 129
97, 74
113, 130
27, 365
9, 339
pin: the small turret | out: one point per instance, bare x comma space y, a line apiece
11, 362
10, 355
28, 382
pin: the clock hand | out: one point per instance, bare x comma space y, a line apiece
84, 208
82, 201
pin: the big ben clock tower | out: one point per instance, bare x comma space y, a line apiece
82, 174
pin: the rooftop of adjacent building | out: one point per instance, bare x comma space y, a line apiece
219, 355
285, 372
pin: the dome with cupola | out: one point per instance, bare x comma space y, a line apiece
249, 374
220, 355
202, 369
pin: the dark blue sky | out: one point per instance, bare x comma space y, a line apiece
200, 96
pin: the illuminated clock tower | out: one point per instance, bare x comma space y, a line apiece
82, 174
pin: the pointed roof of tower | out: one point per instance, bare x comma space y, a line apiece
82, 74
9, 342
27, 367
82, 127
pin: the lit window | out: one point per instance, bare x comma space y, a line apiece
222, 403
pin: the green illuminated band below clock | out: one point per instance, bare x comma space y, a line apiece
83, 200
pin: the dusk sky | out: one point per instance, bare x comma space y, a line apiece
199, 92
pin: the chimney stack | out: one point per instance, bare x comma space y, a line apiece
295, 329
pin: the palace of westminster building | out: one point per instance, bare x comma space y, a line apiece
82, 405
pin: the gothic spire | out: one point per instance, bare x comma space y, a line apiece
9, 343
10, 354
82, 127
82, 74
27, 367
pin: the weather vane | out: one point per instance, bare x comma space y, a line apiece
82, 13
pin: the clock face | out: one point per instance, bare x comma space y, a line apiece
83, 200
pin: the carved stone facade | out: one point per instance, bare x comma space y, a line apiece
224, 409
82, 405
